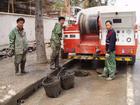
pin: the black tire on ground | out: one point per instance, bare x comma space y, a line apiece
133, 60
95, 64
63, 55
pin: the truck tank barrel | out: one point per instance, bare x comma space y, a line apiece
88, 24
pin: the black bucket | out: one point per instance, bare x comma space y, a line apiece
52, 86
67, 80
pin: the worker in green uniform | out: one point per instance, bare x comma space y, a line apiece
56, 43
110, 62
18, 46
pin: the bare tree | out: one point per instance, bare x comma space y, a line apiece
39, 33
67, 7
93, 3
86, 3
75, 2
48, 6
11, 4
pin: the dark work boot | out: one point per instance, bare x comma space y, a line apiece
17, 69
52, 64
57, 67
22, 67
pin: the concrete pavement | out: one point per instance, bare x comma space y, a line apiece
14, 87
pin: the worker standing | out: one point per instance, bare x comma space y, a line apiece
18, 46
56, 43
110, 63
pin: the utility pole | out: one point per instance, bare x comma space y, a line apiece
39, 33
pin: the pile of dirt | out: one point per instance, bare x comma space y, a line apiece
80, 73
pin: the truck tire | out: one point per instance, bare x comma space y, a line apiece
95, 64
133, 61
63, 54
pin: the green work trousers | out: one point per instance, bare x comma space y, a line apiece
20, 60
55, 56
110, 65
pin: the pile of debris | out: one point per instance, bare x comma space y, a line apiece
4, 51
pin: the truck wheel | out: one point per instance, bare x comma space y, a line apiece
95, 64
133, 60
63, 55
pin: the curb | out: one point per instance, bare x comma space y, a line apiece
28, 91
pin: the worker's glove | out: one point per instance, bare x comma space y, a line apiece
10, 53
107, 55
25, 51
97, 51
64, 27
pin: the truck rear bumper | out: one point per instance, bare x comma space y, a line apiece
90, 57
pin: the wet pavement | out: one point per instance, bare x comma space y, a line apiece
93, 90
136, 79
